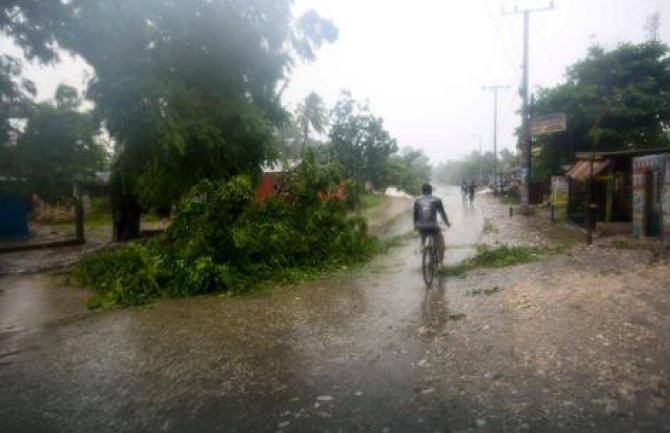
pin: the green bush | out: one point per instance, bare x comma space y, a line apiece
128, 275
221, 239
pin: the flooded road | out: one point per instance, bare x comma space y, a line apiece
364, 350
342, 354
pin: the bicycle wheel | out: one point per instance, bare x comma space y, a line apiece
428, 262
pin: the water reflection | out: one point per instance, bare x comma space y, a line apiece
434, 312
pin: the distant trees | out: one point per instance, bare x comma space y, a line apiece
15, 96
57, 146
408, 170
312, 113
359, 142
625, 92
49, 144
469, 168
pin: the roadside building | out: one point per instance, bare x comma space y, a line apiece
14, 209
628, 190
651, 196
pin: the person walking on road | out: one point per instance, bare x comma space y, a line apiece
471, 191
464, 190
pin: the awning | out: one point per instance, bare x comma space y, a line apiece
582, 168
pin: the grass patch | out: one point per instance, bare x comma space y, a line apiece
503, 256
484, 292
489, 227
511, 199
487, 257
369, 201
627, 244
396, 241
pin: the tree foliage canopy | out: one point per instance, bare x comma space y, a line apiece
359, 142
187, 89
312, 113
408, 170
622, 95
58, 147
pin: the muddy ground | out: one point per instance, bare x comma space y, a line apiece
575, 342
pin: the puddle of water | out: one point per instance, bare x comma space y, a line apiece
29, 301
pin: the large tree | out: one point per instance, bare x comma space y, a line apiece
359, 141
187, 89
622, 95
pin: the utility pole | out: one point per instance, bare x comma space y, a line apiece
652, 27
526, 142
495, 89
481, 158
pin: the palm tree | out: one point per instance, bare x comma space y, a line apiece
311, 112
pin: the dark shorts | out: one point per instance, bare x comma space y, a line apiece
434, 231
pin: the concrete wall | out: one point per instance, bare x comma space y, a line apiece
654, 163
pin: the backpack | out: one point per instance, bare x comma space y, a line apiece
426, 210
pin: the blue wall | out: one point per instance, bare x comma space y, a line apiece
13, 217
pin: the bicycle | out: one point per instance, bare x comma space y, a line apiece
433, 254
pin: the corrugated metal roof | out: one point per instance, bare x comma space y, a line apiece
582, 169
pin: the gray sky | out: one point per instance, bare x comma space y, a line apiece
422, 63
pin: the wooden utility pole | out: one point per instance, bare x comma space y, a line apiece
525, 116
495, 89
481, 158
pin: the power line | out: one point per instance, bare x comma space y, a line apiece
502, 38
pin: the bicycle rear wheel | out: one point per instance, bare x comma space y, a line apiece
427, 262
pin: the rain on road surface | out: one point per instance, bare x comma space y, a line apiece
347, 353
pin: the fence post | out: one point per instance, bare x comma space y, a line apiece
78, 213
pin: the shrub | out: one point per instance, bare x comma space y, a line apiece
221, 239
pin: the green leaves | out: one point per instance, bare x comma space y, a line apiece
58, 146
187, 89
222, 240
359, 141
620, 97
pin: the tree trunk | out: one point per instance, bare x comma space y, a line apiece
304, 140
126, 211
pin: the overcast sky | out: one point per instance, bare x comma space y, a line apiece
422, 63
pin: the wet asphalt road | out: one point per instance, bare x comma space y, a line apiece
347, 353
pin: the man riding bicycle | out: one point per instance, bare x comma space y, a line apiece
426, 209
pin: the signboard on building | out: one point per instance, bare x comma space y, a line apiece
555, 122
559, 196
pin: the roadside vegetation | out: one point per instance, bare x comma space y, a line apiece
503, 256
221, 239
187, 117
370, 201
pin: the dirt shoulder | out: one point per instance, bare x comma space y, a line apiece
381, 219
575, 342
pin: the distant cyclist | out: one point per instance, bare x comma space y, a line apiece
426, 209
